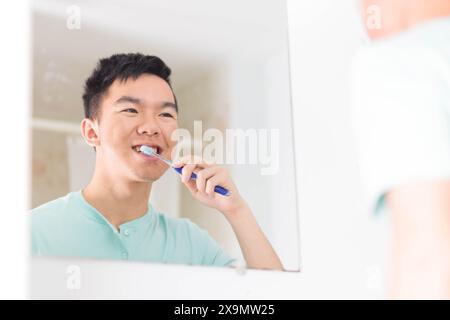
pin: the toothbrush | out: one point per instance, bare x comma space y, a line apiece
151, 152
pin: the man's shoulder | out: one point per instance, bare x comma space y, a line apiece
51, 209
53, 226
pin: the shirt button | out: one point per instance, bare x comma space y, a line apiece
124, 255
126, 233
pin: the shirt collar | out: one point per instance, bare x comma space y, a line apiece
92, 213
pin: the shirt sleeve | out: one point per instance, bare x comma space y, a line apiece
214, 255
400, 105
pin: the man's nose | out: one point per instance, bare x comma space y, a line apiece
150, 128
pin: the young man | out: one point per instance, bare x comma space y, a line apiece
128, 102
402, 107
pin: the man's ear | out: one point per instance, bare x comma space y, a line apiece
90, 132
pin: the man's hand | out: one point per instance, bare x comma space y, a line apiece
210, 175
257, 250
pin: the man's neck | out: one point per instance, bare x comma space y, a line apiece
118, 201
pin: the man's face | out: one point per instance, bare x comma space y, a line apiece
133, 113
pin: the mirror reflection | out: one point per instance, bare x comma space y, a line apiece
161, 132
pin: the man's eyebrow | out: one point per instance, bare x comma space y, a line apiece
128, 99
139, 102
169, 104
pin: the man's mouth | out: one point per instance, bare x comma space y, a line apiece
137, 148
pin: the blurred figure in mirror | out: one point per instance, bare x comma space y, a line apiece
401, 106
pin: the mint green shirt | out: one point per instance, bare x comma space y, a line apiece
70, 227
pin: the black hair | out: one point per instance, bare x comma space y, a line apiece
121, 67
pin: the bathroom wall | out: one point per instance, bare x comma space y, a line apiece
50, 169
207, 99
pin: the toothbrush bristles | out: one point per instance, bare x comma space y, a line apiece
148, 150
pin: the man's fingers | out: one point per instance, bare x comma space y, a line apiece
192, 159
209, 175
212, 183
203, 176
192, 187
186, 172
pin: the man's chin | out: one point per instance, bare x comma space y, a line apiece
148, 177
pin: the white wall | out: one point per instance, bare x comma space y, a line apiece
341, 242
14, 164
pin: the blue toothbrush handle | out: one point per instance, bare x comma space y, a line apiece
218, 189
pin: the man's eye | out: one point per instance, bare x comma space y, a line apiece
166, 114
132, 110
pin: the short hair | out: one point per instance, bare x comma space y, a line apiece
122, 67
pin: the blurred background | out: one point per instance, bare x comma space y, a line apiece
230, 69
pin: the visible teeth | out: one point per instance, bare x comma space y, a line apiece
138, 149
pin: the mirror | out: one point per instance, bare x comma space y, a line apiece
230, 75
